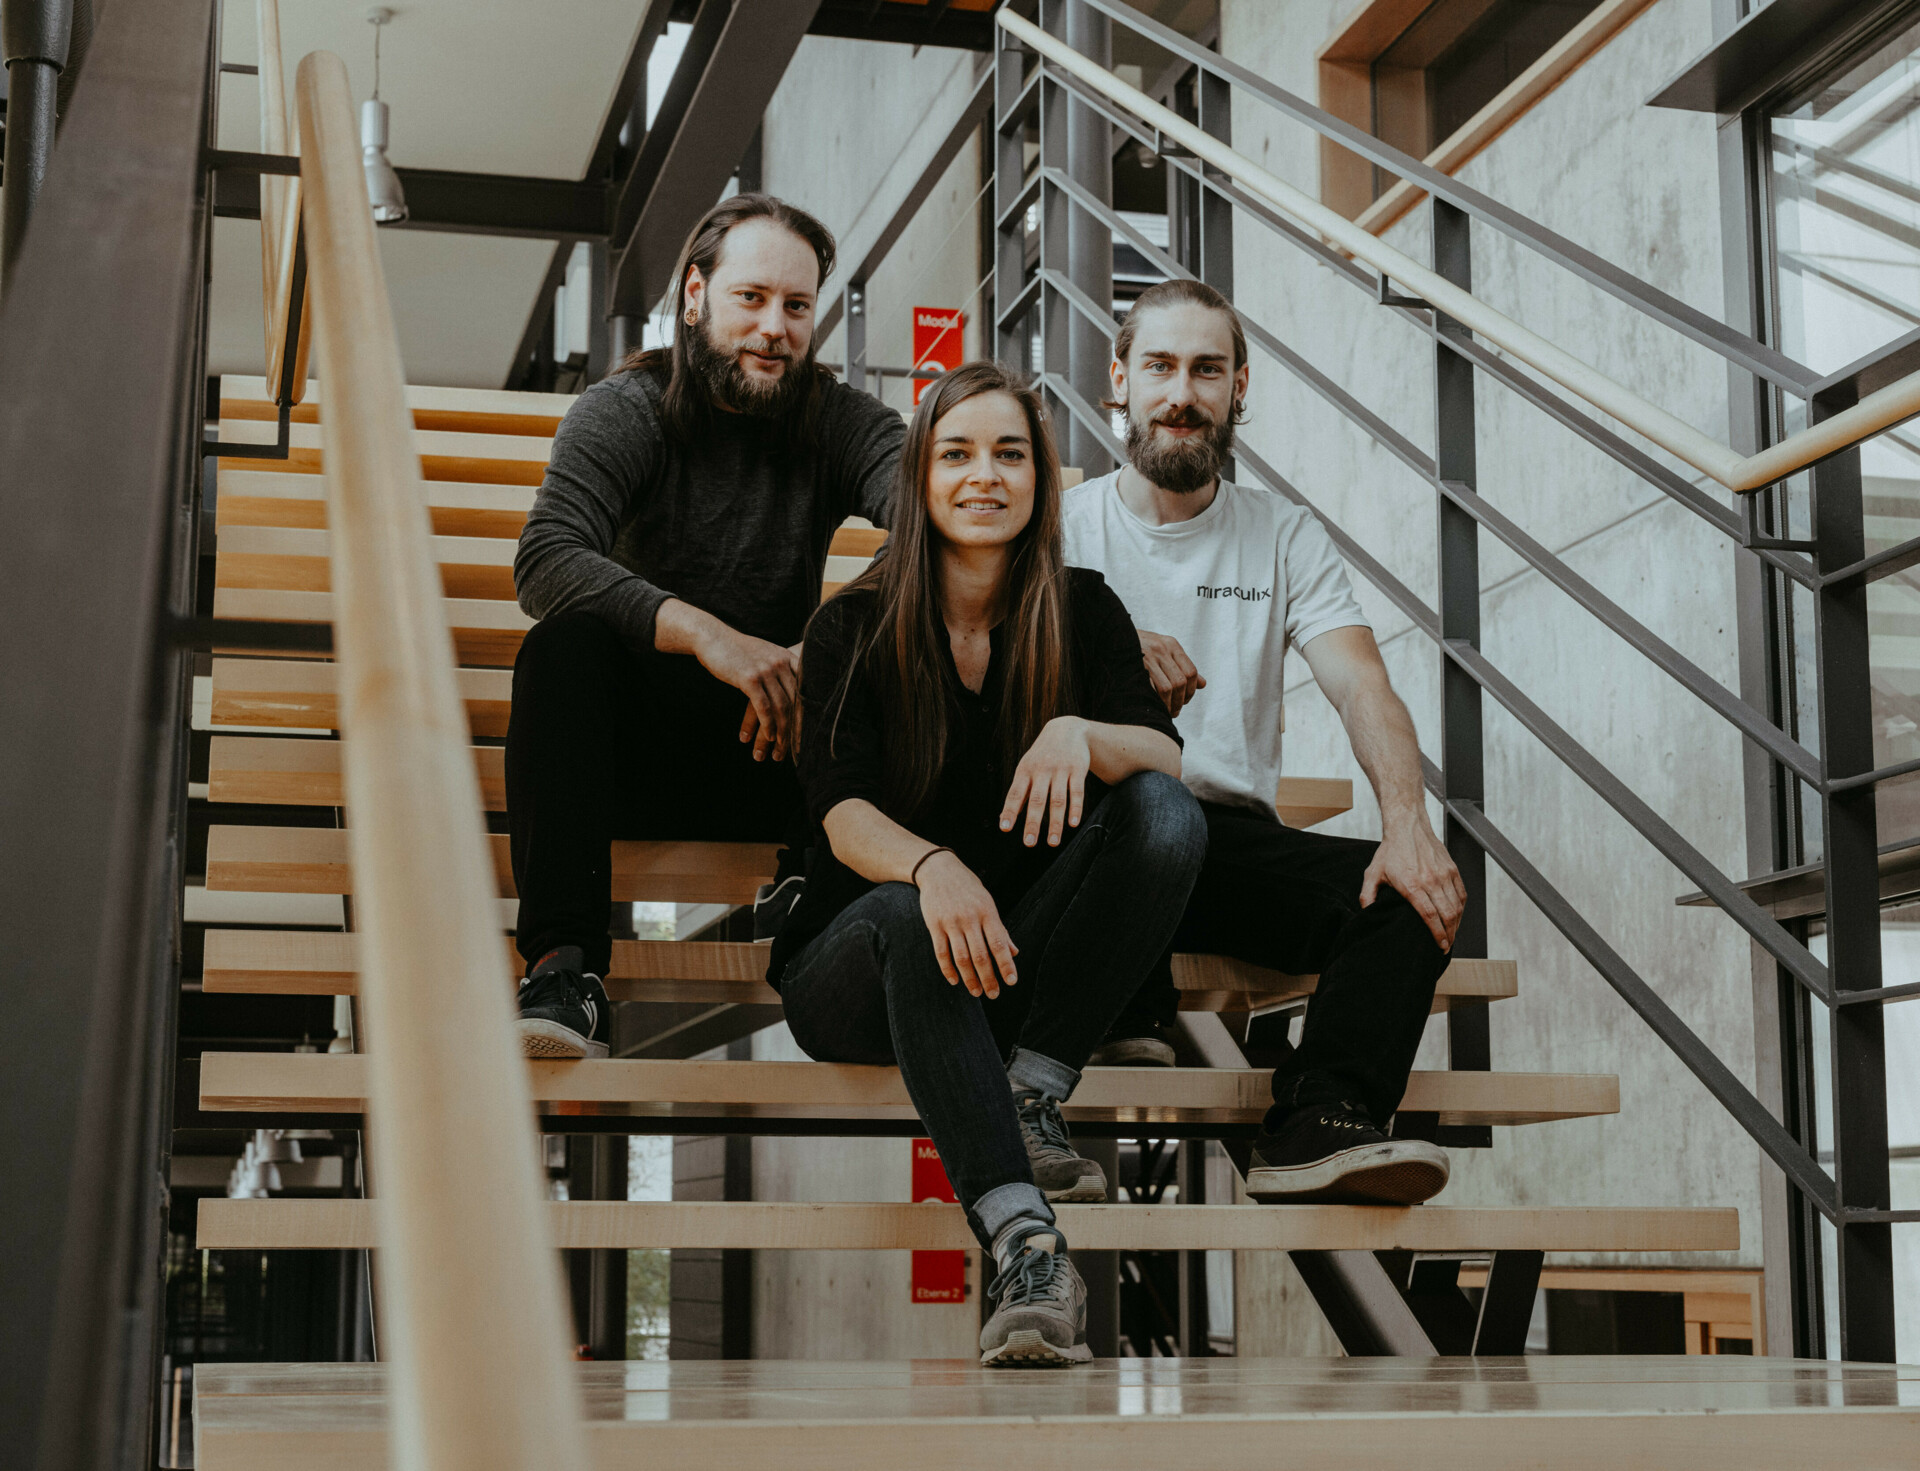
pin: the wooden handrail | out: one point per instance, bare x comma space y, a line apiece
474, 1319
1737, 472
279, 214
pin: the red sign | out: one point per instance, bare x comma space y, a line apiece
938, 336
938, 1276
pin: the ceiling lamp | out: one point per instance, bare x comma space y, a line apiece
384, 194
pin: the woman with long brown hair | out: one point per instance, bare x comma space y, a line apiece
995, 782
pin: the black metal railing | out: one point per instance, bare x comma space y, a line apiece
1038, 293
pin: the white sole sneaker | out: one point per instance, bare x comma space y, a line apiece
1398, 1172
1087, 1187
1027, 1348
550, 1039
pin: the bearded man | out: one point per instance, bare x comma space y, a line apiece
673, 557
1229, 577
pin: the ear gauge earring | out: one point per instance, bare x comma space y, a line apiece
693, 319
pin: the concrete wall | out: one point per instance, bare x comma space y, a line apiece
1640, 187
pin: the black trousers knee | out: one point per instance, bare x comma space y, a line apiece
1275, 896
606, 743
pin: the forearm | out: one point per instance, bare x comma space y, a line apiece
1388, 750
681, 628
872, 844
1118, 751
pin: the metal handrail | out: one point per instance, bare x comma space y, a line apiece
1736, 347
479, 1373
1737, 472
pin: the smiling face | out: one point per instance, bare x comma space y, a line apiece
980, 484
755, 331
1180, 388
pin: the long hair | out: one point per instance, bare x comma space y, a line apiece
685, 406
903, 641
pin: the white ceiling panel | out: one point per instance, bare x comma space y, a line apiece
481, 86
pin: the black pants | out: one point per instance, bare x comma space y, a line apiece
605, 743
1272, 895
867, 989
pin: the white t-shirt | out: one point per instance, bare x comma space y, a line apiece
1236, 585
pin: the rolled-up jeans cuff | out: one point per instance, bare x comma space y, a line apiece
1042, 1074
1007, 1203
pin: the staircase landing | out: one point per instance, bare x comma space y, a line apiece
1567, 1413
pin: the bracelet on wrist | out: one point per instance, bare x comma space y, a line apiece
914, 877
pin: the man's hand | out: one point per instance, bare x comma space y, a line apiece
1174, 677
768, 675
1411, 860
1050, 781
969, 940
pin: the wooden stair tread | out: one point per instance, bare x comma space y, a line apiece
306, 962
251, 392
313, 860
347, 1225
1574, 1413
306, 773
294, 1082
485, 630
264, 500
303, 694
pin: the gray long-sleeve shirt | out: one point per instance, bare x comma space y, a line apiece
737, 525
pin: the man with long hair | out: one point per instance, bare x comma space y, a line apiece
674, 554
1227, 578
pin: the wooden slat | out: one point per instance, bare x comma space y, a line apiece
454, 421
1304, 801
313, 860
485, 631
303, 694
306, 772
517, 450
295, 772
295, 962
346, 1225
295, 559
295, 1082
1224, 1413
252, 394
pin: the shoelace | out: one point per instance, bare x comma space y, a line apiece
1040, 1117
1029, 1277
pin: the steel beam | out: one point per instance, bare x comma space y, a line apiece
678, 179
1850, 836
108, 311
464, 204
1089, 244
919, 24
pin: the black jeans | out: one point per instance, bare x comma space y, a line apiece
1276, 896
604, 743
867, 989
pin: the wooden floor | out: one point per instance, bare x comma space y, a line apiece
1567, 1413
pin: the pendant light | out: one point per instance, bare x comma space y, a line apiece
384, 193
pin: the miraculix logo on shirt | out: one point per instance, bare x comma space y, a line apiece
1245, 594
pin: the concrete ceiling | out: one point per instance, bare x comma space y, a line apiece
484, 86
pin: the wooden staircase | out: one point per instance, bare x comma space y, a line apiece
273, 719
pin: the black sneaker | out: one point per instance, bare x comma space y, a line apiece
1134, 1044
1335, 1154
1060, 1173
1039, 1308
772, 903
563, 1008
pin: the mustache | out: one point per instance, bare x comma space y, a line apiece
767, 347
1188, 418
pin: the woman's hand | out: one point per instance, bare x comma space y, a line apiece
968, 939
1050, 781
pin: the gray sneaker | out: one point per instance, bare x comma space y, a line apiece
1057, 1170
1039, 1308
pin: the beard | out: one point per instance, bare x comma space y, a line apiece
1180, 466
717, 366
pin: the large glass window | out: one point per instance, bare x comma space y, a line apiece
1845, 164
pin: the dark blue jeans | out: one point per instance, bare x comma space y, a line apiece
867, 989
